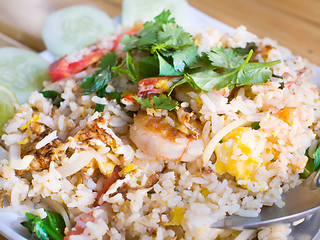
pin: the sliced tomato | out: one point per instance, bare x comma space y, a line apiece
86, 61
61, 69
117, 41
110, 180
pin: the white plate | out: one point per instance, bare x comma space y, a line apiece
10, 221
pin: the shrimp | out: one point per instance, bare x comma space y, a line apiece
155, 136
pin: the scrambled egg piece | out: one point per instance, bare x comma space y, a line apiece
162, 84
177, 215
236, 155
287, 114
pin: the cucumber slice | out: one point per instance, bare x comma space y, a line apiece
22, 71
69, 29
7, 100
145, 10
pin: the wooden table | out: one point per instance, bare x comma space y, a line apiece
293, 23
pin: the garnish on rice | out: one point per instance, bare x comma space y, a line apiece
213, 130
51, 227
313, 163
170, 51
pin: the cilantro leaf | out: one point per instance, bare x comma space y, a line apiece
313, 163
50, 94
309, 168
108, 60
281, 85
132, 67
145, 102
178, 83
244, 51
101, 77
100, 107
185, 57
164, 17
115, 95
255, 125
204, 80
174, 36
164, 102
316, 158
225, 58
54, 96
55, 225
246, 74
162, 35
148, 66
51, 227
165, 68
35, 225
161, 102
108, 69
255, 73
144, 39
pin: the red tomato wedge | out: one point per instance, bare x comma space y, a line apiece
61, 69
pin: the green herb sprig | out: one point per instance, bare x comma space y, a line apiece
238, 71
161, 102
108, 70
170, 51
54, 96
313, 163
50, 228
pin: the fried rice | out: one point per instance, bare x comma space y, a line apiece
86, 166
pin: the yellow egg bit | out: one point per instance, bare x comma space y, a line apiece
235, 155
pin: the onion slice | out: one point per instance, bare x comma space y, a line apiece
58, 207
219, 135
76, 162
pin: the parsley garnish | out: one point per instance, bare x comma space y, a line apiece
170, 51
54, 96
51, 227
161, 102
239, 71
171, 46
226, 58
108, 69
100, 79
250, 46
313, 163
281, 85
255, 125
